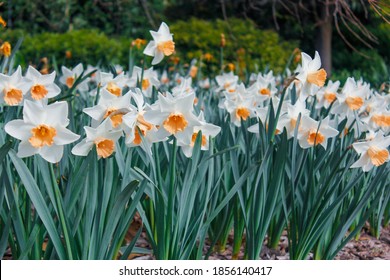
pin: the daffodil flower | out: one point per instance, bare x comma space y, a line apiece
311, 75
13, 88
289, 120
378, 119
262, 89
110, 107
173, 114
135, 125
327, 95
161, 45
43, 86
69, 77
373, 152
310, 135
113, 85
42, 131
149, 80
227, 82
351, 99
186, 140
101, 137
241, 107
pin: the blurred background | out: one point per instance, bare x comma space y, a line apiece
353, 37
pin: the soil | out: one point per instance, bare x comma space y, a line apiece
366, 247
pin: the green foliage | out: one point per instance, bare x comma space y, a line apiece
246, 45
88, 46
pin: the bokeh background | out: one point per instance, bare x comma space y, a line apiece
353, 37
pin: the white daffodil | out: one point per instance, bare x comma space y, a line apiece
241, 107
377, 102
134, 123
43, 86
378, 119
101, 137
311, 75
327, 95
173, 114
161, 45
262, 89
310, 135
355, 125
187, 139
149, 80
42, 130
70, 76
351, 99
110, 106
262, 114
114, 85
373, 152
205, 83
90, 69
289, 119
164, 78
226, 82
185, 87
13, 88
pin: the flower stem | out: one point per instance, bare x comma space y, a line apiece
61, 217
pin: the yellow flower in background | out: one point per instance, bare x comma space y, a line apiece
68, 54
230, 66
5, 49
208, 57
3, 22
138, 43
223, 40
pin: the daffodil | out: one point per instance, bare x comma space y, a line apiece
351, 99
43, 86
241, 106
110, 107
373, 152
173, 114
101, 137
13, 88
227, 82
114, 85
262, 89
161, 45
149, 80
69, 77
378, 119
289, 120
327, 95
42, 131
311, 75
310, 134
187, 139
135, 125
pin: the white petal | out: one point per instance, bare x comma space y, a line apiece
57, 114
65, 136
361, 147
26, 150
33, 113
19, 129
82, 148
52, 153
150, 49
158, 57
362, 161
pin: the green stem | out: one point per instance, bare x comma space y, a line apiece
171, 197
61, 213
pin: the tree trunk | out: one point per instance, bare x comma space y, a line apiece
324, 39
